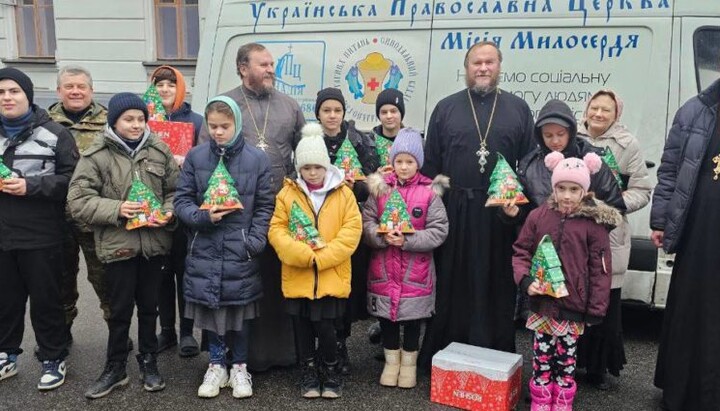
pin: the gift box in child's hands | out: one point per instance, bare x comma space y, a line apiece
178, 136
5, 173
221, 192
347, 160
395, 215
504, 185
303, 229
547, 269
476, 378
152, 209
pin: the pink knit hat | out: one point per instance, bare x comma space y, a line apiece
619, 104
573, 169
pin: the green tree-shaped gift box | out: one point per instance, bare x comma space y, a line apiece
547, 269
347, 159
221, 192
152, 99
5, 173
609, 158
151, 206
395, 215
303, 229
504, 185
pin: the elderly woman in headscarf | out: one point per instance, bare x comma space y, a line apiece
601, 348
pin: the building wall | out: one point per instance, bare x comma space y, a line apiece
113, 39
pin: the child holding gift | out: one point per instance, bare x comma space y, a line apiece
170, 84
316, 282
403, 264
339, 134
133, 259
579, 227
222, 276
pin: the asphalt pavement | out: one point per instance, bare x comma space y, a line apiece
276, 389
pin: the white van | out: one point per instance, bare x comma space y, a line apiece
654, 53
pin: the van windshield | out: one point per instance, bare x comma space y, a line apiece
706, 41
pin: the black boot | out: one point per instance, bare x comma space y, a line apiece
149, 374
332, 382
310, 379
343, 357
113, 375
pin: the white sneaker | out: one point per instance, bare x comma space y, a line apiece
241, 381
8, 366
216, 377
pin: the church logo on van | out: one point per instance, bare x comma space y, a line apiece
369, 66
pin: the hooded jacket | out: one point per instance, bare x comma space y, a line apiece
401, 280
582, 242
101, 183
535, 176
222, 267
314, 274
44, 154
685, 148
636, 195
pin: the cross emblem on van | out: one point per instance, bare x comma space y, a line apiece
373, 84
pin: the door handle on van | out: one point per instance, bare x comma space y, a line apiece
649, 164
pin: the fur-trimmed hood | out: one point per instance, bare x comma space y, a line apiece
594, 209
379, 184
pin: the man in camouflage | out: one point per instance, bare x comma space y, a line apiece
85, 119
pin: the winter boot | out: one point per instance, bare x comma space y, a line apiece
408, 369
113, 375
149, 374
541, 396
332, 384
343, 357
391, 371
310, 379
563, 397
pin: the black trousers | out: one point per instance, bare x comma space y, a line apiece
171, 287
129, 283
306, 331
35, 274
391, 334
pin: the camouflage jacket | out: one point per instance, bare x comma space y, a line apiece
88, 130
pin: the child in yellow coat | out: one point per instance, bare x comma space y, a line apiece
315, 229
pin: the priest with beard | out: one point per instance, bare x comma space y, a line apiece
476, 294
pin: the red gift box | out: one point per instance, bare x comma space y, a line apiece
178, 136
476, 378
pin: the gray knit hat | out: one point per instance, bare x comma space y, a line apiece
408, 141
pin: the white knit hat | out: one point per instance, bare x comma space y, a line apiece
311, 149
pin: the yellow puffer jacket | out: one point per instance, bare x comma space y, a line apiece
314, 274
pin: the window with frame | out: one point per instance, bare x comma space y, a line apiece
35, 21
706, 42
177, 29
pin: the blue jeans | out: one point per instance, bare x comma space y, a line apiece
235, 341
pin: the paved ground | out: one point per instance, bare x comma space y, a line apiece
276, 390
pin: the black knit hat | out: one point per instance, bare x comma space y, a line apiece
122, 102
329, 93
390, 96
21, 78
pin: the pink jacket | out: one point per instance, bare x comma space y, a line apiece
401, 281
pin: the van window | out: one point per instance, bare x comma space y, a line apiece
706, 41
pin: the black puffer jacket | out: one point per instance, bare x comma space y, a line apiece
364, 145
680, 164
535, 176
44, 154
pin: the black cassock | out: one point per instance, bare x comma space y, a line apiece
476, 293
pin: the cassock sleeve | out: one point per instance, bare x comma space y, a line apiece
433, 148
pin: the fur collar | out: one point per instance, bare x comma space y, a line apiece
380, 184
594, 209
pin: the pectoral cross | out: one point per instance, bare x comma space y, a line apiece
482, 154
716, 170
261, 144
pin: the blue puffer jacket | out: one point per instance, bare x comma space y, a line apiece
221, 268
185, 115
684, 151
